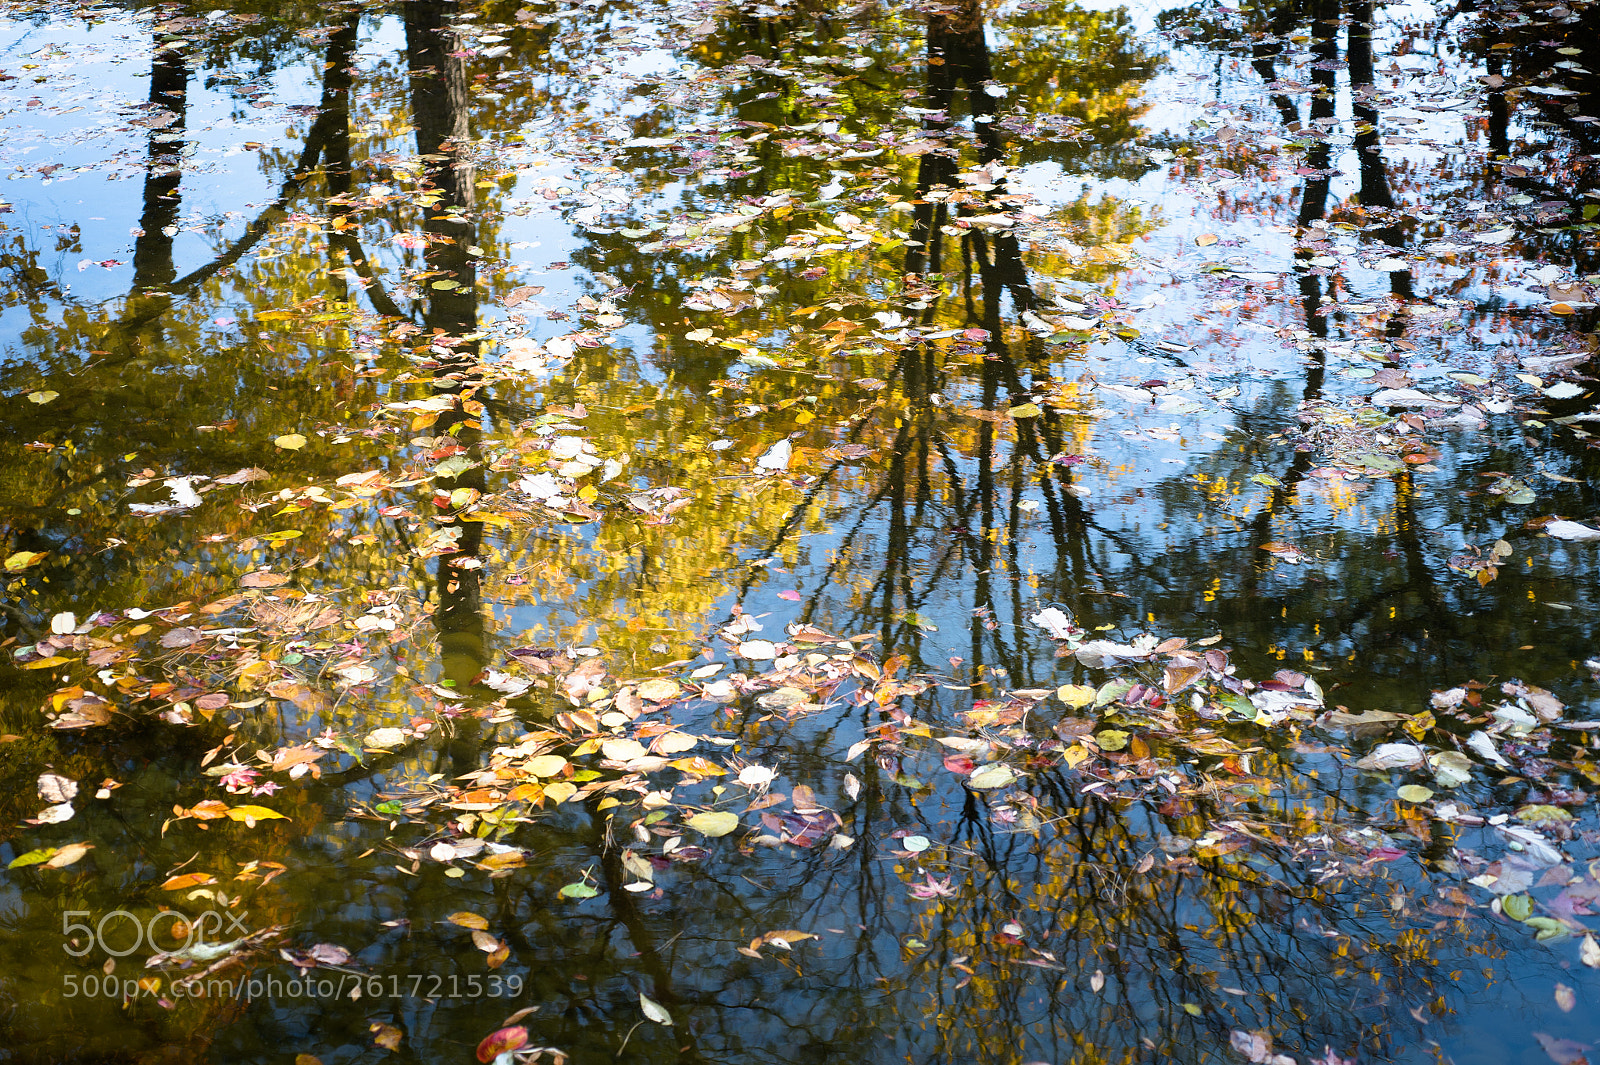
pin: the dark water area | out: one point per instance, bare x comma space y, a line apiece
1026, 532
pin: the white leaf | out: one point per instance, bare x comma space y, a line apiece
654, 1009
777, 456
757, 776
183, 493
63, 623
1055, 621
1481, 743
54, 815
1103, 654
1393, 756
1410, 397
53, 787
541, 485
1571, 530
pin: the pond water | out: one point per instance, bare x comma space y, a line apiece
1024, 532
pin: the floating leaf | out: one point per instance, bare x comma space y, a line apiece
993, 775
22, 560
1414, 793
500, 1042
1076, 696
714, 823
544, 765
187, 880
653, 1009
1112, 739
34, 857
253, 813
1451, 769
385, 1035
1517, 907
290, 441
579, 891
1392, 756
384, 738
65, 856
42, 397
660, 690
464, 919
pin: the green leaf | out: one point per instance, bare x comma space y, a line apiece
579, 890
1111, 691
1414, 793
1238, 704
454, 466
1517, 907
1547, 927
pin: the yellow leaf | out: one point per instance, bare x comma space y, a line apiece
468, 920
560, 791
545, 765
714, 822
504, 860
252, 813
1076, 695
1205, 240
699, 766
23, 559
290, 441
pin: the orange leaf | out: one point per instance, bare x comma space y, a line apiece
188, 880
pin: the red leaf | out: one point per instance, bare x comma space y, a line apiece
497, 1043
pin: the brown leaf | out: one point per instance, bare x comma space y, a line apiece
521, 294
186, 636
387, 1035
